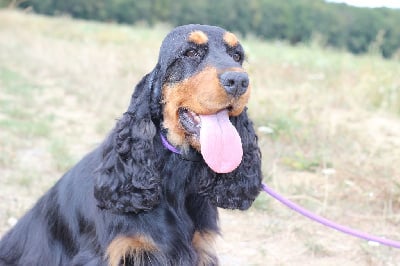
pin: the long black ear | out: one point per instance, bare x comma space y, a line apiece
127, 180
238, 189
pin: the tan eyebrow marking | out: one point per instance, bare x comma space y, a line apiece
198, 37
230, 39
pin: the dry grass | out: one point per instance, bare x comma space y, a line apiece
328, 122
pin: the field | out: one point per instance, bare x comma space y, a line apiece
328, 125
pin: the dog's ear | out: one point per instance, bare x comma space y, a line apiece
238, 189
128, 179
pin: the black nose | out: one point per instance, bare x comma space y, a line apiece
235, 83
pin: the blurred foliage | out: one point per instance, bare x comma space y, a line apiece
295, 21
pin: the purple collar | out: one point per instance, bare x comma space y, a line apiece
189, 155
169, 146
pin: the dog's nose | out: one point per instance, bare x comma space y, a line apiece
235, 83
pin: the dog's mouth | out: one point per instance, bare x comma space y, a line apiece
219, 141
190, 121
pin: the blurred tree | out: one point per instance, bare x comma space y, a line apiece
339, 25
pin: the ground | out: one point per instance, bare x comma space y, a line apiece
328, 125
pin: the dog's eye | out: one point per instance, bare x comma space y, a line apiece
237, 57
191, 53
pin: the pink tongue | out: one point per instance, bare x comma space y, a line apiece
221, 145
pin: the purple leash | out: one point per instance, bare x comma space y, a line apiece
328, 223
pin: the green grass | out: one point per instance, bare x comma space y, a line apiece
374, 81
25, 128
282, 125
61, 155
14, 83
25, 178
9, 108
17, 108
262, 203
300, 162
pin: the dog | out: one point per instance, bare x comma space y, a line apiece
149, 193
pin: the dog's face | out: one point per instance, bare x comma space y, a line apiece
204, 84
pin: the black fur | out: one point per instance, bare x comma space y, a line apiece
132, 185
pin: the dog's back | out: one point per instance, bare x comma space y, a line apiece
44, 235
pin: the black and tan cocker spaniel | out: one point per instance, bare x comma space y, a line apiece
148, 195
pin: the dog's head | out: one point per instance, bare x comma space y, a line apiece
203, 85
195, 96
